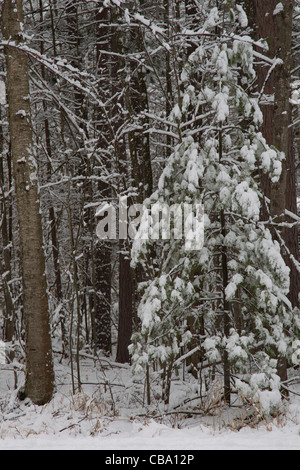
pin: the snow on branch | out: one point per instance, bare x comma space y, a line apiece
55, 66
157, 31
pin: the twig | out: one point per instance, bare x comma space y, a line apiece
168, 413
290, 391
188, 400
74, 424
108, 384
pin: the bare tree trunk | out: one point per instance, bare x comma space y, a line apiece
275, 95
75, 279
275, 91
102, 254
263, 22
39, 367
282, 77
226, 304
282, 120
137, 103
283, 194
119, 145
52, 217
6, 240
169, 88
125, 306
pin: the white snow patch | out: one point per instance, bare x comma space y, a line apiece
278, 9
85, 421
2, 93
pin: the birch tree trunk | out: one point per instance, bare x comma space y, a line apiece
39, 367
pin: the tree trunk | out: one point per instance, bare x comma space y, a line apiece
39, 367
52, 217
282, 134
276, 129
102, 249
282, 76
118, 108
169, 88
8, 330
283, 194
125, 306
226, 304
264, 27
275, 105
137, 103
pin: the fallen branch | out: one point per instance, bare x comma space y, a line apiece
168, 413
74, 424
290, 391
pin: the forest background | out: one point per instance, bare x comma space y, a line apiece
166, 102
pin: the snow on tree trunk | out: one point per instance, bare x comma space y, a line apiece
39, 368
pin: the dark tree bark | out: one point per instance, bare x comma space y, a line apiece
119, 143
102, 305
103, 250
275, 90
51, 211
226, 303
5, 263
137, 104
125, 306
283, 194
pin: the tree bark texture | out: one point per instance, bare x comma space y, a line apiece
275, 104
103, 249
39, 367
125, 307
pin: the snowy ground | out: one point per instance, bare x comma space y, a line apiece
86, 421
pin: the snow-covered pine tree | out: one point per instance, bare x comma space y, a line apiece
227, 300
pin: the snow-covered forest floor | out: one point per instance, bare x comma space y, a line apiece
109, 414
